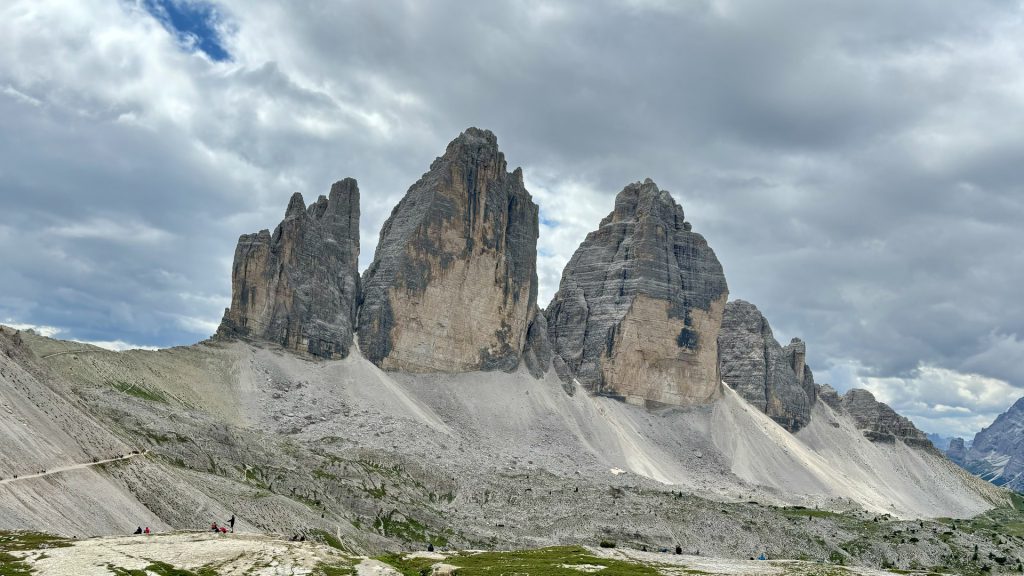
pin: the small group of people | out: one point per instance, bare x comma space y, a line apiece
139, 530
224, 529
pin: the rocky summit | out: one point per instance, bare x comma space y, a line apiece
879, 422
453, 283
776, 380
299, 287
640, 304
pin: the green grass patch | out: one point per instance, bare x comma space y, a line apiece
329, 539
397, 525
323, 569
138, 391
800, 511
321, 474
161, 569
557, 561
11, 565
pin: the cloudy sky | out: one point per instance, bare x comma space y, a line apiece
857, 166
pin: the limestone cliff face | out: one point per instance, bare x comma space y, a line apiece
879, 422
997, 453
957, 451
774, 379
299, 287
639, 306
453, 283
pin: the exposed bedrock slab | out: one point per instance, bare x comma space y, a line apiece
299, 287
774, 379
453, 283
639, 306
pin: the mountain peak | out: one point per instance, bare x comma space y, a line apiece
638, 309
453, 283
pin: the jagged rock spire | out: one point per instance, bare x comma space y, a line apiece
299, 287
774, 379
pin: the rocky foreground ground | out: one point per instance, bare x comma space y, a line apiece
253, 554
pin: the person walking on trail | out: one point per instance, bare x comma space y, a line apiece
231, 523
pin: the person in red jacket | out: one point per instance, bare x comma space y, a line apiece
147, 530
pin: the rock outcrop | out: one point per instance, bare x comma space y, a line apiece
453, 283
957, 451
879, 422
639, 306
997, 453
299, 287
537, 354
774, 379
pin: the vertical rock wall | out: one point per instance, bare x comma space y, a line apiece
453, 283
299, 287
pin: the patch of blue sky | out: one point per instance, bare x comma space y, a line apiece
196, 24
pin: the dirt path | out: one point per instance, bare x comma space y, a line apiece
83, 351
72, 467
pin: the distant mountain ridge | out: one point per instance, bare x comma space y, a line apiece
997, 451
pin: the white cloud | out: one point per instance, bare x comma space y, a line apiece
937, 399
116, 345
111, 230
48, 331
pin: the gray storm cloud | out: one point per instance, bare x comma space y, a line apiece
857, 166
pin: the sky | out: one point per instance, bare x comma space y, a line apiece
858, 167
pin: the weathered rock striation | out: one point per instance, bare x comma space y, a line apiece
537, 354
879, 422
776, 380
299, 287
639, 306
453, 283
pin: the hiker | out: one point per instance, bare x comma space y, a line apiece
214, 527
679, 549
138, 530
231, 523
762, 557
147, 529
223, 530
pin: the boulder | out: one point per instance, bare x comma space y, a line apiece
639, 306
453, 283
299, 286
